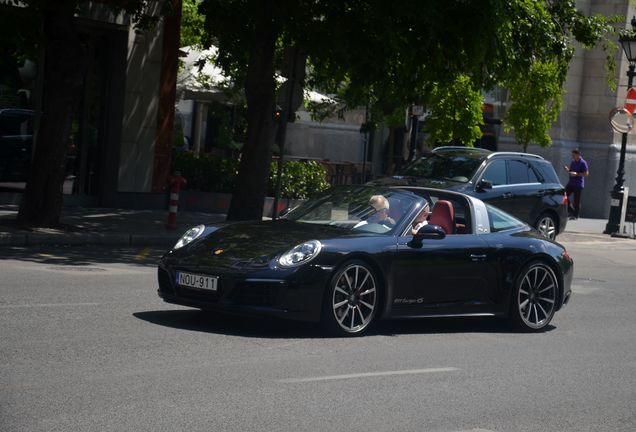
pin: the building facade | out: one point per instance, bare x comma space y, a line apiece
584, 120
121, 135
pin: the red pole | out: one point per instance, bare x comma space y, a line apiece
176, 182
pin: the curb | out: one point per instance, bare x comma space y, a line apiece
87, 239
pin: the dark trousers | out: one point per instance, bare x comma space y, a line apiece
574, 207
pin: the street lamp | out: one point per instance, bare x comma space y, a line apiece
628, 42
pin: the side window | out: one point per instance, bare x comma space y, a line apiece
546, 172
519, 172
496, 172
500, 221
532, 176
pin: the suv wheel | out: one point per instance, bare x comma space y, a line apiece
547, 226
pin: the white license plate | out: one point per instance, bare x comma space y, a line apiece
208, 283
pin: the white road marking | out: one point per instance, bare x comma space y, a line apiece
47, 305
368, 374
477, 430
583, 290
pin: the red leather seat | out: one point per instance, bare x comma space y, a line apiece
443, 215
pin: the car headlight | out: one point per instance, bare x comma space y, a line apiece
300, 254
189, 236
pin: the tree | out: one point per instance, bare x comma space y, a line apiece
456, 113
53, 31
192, 24
392, 54
537, 103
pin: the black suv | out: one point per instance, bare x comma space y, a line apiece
522, 184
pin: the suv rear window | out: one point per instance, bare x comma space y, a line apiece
546, 170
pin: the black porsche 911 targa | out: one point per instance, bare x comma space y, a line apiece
351, 256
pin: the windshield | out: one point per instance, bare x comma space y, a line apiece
453, 167
360, 209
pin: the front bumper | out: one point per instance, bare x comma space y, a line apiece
293, 294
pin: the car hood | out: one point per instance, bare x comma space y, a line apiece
398, 180
253, 244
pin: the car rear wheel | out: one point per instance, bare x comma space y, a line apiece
535, 297
547, 226
352, 299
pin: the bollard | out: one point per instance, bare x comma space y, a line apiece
176, 182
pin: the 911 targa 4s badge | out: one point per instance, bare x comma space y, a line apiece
354, 255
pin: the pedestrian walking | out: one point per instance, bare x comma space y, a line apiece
577, 172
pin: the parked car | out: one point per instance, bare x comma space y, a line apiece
522, 184
16, 142
331, 260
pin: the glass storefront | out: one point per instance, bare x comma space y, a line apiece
17, 90
85, 152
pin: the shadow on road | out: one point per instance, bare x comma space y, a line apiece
83, 256
274, 328
196, 320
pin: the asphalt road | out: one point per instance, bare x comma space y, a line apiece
86, 345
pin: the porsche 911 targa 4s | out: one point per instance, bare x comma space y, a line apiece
352, 255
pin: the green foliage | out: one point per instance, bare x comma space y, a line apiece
299, 179
537, 100
455, 113
229, 127
216, 174
438, 43
206, 173
389, 55
192, 24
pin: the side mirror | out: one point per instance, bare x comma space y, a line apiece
484, 184
430, 231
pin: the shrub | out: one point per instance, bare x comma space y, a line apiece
206, 173
299, 179
215, 174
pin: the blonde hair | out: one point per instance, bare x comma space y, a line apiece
379, 202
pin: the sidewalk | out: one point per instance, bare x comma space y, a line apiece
118, 227
594, 226
102, 226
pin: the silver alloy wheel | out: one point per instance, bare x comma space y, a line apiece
547, 227
536, 298
354, 298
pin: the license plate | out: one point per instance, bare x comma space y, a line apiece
203, 282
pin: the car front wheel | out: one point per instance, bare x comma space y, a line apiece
535, 297
352, 299
547, 226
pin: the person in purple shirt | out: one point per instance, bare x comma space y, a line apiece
577, 171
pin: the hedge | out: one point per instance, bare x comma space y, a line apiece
215, 174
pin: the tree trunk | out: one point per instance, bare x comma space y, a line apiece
65, 63
251, 185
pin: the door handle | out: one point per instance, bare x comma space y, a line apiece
506, 195
477, 257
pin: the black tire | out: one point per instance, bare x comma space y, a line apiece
352, 299
534, 298
547, 225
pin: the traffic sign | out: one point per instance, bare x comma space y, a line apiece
630, 100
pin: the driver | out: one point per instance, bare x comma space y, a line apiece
380, 214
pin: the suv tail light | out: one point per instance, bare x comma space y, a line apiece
564, 201
565, 255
